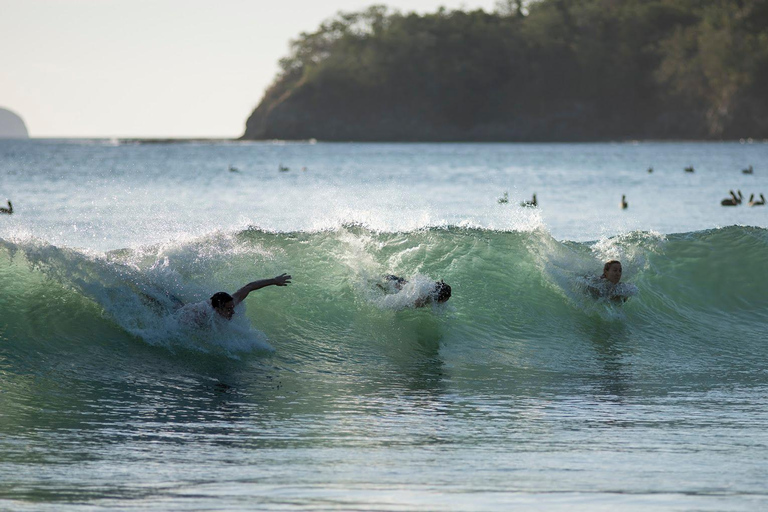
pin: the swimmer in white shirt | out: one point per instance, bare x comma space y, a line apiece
608, 286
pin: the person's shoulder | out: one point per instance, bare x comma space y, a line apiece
625, 290
195, 312
597, 286
395, 279
593, 281
201, 305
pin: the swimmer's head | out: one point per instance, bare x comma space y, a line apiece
442, 291
612, 271
223, 304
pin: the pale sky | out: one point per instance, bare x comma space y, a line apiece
154, 68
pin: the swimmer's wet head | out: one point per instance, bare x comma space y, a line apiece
223, 304
612, 271
442, 291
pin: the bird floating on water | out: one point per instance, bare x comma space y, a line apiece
689, 168
761, 202
504, 199
232, 168
748, 170
530, 204
650, 170
624, 202
733, 200
283, 168
8, 210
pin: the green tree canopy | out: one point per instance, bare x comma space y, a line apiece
536, 70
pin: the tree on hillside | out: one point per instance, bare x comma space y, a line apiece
720, 61
532, 70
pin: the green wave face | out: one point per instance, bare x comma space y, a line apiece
517, 297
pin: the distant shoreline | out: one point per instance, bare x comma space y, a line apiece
197, 140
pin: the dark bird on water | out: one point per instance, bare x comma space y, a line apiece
733, 200
8, 210
624, 202
531, 203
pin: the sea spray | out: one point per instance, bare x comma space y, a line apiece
509, 288
141, 294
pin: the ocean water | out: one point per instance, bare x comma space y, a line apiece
520, 393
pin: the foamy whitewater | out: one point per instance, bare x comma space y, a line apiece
522, 392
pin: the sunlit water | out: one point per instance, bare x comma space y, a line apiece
519, 393
98, 194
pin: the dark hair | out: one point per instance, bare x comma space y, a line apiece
218, 299
442, 291
607, 266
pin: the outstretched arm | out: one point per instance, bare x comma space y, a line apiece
242, 293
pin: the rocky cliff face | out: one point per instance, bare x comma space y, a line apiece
323, 115
567, 71
336, 110
12, 126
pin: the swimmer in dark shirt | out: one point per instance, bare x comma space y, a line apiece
224, 304
439, 294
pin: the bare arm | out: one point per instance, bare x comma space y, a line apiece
240, 295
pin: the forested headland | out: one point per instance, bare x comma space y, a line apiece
547, 70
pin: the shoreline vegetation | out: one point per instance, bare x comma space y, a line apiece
238, 140
535, 71
213, 140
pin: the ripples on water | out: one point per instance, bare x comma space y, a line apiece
517, 394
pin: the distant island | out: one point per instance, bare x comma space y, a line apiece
547, 70
12, 126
